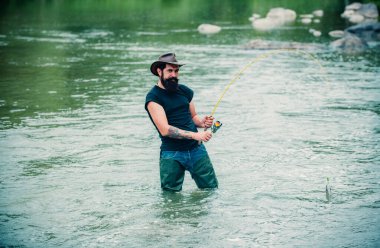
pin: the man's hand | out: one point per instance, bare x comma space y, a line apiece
203, 136
207, 121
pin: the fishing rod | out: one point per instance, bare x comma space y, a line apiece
217, 124
263, 56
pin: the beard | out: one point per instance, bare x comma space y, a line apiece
170, 84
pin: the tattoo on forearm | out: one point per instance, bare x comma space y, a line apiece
178, 134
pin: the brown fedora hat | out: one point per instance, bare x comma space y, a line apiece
167, 58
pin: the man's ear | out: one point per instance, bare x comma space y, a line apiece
159, 72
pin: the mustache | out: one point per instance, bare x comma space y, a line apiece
170, 84
172, 80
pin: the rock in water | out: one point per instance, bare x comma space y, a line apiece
356, 18
366, 31
208, 29
317, 33
306, 20
354, 6
275, 18
336, 33
318, 13
350, 44
284, 15
369, 10
361, 13
266, 24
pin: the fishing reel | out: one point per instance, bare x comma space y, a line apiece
215, 127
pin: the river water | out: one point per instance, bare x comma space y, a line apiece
79, 155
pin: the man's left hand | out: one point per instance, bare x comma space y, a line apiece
207, 121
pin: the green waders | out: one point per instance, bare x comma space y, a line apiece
172, 174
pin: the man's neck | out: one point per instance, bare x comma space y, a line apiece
159, 84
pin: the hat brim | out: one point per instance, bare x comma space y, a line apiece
154, 66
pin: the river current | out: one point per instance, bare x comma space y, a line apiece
79, 155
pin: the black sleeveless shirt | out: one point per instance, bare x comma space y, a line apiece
176, 106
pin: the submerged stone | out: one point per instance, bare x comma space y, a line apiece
209, 29
366, 31
350, 44
336, 33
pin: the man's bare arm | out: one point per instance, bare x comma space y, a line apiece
177, 133
158, 115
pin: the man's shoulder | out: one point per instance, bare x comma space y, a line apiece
153, 95
186, 90
153, 91
184, 87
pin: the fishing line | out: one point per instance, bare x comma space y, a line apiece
218, 124
258, 59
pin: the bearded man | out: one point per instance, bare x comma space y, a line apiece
172, 111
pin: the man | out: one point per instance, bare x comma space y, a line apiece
172, 111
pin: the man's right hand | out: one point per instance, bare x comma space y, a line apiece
203, 136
